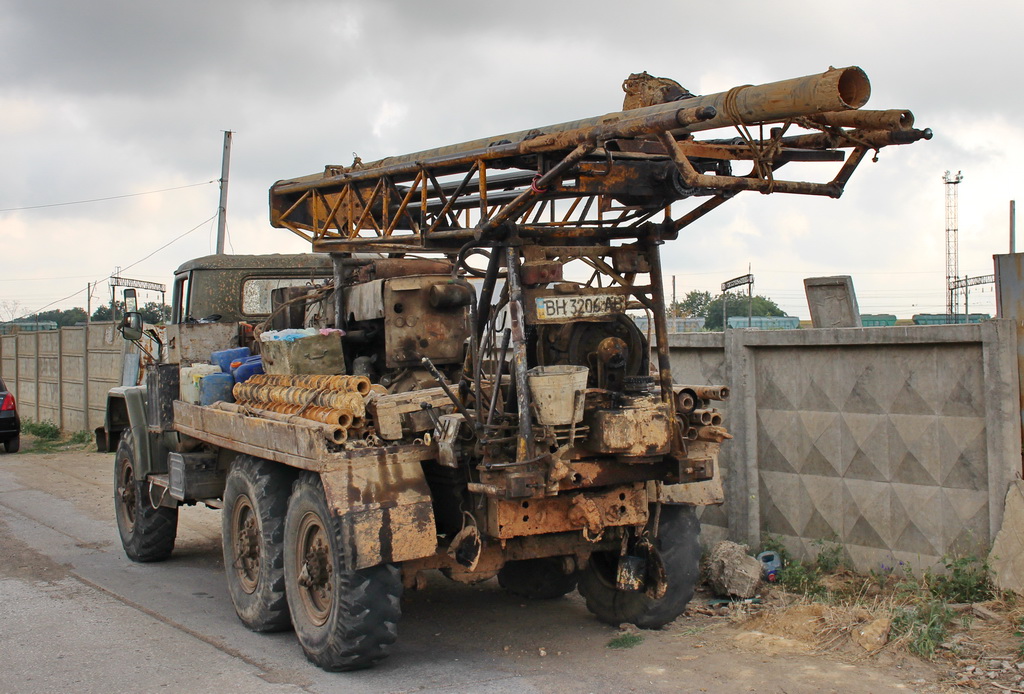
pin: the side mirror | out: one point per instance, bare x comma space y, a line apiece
131, 326
131, 301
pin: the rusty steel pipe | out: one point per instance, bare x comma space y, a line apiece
702, 417
847, 138
686, 399
355, 384
336, 434
351, 402
710, 392
893, 119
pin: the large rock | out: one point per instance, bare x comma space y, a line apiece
731, 572
873, 635
1007, 556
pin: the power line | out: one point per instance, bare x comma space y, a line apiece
170, 242
179, 236
112, 197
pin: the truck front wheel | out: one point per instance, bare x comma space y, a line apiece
344, 620
255, 503
147, 531
678, 544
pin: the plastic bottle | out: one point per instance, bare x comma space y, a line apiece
771, 564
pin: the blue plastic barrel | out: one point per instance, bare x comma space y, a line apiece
250, 367
224, 357
216, 387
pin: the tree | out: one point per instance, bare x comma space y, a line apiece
9, 309
694, 304
737, 305
102, 312
71, 316
155, 312
152, 312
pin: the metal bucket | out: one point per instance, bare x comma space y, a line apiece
558, 393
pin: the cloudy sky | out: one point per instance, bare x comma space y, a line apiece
111, 98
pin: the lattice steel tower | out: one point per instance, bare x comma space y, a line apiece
952, 243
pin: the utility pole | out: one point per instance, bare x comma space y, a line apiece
675, 310
1013, 226
750, 298
222, 209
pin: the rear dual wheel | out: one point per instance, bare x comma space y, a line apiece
344, 620
255, 504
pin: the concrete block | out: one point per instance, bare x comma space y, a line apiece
832, 302
1007, 556
731, 572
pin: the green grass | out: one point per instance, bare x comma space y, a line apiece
50, 439
45, 431
626, 641
925, 626
967, 579
830, 555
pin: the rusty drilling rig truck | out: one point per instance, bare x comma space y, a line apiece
473, 396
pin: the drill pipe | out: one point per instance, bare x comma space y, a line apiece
354, 384
686, 399
293, 395
894, 119
707, 392
336, 434
701, 417
334, 418
837, 89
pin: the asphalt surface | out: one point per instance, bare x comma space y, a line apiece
77, 616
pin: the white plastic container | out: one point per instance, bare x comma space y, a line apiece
189, 376
558, 393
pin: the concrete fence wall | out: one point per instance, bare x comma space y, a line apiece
897, 442
62, 376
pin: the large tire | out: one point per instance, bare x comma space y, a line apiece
344, 620
255, 504
537, 579
147, 533
678, 544
13, 445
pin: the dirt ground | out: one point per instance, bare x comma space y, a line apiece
552, 646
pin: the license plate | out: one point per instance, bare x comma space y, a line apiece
569, 307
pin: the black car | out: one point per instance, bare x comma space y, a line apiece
10, 425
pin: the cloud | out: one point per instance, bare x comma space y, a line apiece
112, 97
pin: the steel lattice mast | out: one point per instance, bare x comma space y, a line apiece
952, 182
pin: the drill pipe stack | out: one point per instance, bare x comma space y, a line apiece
352, 384
337, 401
349, 402
704, 423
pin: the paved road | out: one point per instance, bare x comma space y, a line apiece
77, 616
